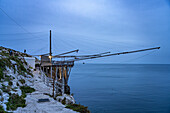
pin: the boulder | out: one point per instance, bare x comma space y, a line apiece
68, 99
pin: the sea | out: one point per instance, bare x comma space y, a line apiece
122, 88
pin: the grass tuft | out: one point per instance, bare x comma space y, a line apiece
27, 89
22, 81
64, 101
78, 108
15, 101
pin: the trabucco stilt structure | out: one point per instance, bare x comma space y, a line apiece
56, 73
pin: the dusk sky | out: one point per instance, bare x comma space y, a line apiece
92, 26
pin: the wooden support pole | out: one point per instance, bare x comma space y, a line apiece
67, 73
62, 69
56, 74
41, 69
56, 79
53, 77
42, 73
46, 70
47, 77
51, 71
60, 73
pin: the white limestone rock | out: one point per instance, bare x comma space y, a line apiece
13, 62
5, 83
69, 99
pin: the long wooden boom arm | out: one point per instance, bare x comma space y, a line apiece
67, 53
141, 50
77, 56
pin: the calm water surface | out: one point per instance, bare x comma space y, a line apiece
122, 88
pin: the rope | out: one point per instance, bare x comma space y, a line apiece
139, 57
21, 33
43, 48
17, 23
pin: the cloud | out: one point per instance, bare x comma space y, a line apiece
84, 8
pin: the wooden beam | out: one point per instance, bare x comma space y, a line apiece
66, 53
128, 52
76, 56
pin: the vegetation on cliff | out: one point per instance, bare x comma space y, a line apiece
78, 108
15, 77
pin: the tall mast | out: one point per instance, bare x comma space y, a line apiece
50, 44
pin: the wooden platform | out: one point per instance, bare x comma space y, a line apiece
58, 63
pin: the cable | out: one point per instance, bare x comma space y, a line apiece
89, 43
16, 22
22, 29
138, 57
43, 48
26, 39
13, 20
20, 33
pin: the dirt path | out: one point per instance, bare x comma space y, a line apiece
45, 107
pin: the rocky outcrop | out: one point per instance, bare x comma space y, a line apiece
14, 73
66, 99
21, 87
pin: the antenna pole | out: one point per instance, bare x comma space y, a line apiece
50, 44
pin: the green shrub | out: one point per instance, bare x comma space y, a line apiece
19, 64
5, 89
22, 81
1, 73
10, 83
3, 63
2, 68
7, 79
2, 99
27, 89
13, 66
0, 93
3, 53
23, 68
17, 84
23, 95
30, 67
30, 74
25, 62
13, 89
64, 101
78, 108
15, 101
7, 76
2, 109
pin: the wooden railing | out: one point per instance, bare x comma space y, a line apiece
49, 82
